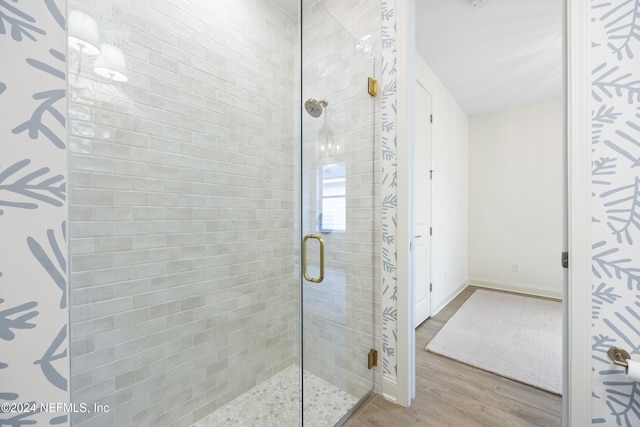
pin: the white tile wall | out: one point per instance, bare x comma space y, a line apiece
181, 226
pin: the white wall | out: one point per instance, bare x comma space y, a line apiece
450, 157
515, 198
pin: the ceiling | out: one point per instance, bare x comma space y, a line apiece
499, 54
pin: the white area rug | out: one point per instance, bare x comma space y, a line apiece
513, 336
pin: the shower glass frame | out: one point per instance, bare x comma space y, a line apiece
192, 185
339, 172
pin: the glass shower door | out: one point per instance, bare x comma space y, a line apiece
338, 247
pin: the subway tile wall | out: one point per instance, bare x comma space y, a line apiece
182, 282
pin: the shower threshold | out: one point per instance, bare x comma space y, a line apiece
276, 403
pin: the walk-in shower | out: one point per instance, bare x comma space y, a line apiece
193, 183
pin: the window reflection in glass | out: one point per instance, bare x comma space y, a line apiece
332, 216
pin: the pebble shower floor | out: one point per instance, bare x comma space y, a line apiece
275, 403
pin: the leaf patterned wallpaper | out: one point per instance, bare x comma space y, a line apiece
33, 211
389, 193
615, 63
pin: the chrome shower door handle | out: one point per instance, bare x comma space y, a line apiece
304, 258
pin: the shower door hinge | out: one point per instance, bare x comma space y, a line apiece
430, 287
372, 87
565, 260
431, 118
430, 231
372, 358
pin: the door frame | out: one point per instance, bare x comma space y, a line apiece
577, 294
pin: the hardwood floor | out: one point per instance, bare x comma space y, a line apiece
449, 393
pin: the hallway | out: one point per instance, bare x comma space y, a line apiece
449, 393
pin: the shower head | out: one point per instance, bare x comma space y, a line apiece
314, 108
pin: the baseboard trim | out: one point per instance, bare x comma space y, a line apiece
390, 389
520, 288
435, 309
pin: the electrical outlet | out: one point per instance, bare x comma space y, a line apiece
515, 267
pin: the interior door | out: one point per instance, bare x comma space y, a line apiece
422, 207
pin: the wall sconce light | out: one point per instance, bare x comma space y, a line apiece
111, 64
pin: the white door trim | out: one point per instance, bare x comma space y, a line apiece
405, 116
577, 301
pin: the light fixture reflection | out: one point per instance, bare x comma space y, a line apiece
327, 148
111, 63
83, 33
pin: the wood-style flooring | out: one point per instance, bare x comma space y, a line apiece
450, 393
